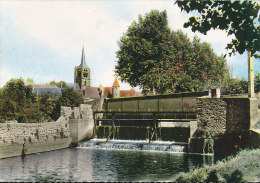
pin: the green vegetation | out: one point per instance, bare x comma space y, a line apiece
257, 82
240, 85
238, 18
160, 60
235, 86
244, 167
18, 102
60, 84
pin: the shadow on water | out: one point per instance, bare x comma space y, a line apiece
86, 164
142, 166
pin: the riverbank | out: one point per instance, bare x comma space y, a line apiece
242, 167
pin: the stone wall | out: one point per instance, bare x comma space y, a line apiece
74, 125
26, 138
227, 121
219, 115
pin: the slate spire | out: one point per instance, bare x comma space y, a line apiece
83, 62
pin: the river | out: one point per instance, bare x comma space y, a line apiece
98, 164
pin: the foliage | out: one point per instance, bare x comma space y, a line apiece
238, 18
257, 82
47, 106
60, 84
18, 102
69, 98
163, 61
235, 86
244, 167
29, 81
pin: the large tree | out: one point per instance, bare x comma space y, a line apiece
144, 51
238, 18
155, 58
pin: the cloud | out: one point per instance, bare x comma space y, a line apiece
5, 75
63, 27
66, 25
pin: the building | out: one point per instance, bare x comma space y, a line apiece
41, 89
82, 77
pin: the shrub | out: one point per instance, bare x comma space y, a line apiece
243, 167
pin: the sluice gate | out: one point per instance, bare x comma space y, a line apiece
149, 126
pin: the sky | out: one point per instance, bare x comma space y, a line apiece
43, 40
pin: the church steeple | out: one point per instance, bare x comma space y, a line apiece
83, 62
82, 73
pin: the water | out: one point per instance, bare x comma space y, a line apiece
136, 145
98, 164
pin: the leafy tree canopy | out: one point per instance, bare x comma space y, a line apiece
18, 102
60, 84
238, 18
30, 81
158, 59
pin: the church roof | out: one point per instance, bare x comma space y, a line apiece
83, 62
72, 85
116, 83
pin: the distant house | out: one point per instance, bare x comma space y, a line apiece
52, 90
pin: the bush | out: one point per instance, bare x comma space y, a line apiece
243, 167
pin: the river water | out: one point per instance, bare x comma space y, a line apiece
100, 164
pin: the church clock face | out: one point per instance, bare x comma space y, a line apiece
85, 73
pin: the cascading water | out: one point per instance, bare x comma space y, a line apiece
136, 145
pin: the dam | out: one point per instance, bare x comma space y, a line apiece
132, 122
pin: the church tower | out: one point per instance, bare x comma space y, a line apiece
82, 73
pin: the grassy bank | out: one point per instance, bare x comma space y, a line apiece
243, 167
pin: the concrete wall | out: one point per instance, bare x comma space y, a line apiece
183, 102
26, 138
81, 122
177, 133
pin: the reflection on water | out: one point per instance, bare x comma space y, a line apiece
85, 164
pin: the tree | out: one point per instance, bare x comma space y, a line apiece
18, 102
144, 51
235, 86
60, 84
157, 59
69, 98
257, 82
29, 81
238, 18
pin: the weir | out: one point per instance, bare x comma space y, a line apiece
150, 126
136, 145
162, 122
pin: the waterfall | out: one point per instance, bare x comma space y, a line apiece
136, 145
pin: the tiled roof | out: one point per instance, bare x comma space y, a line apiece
127, 93
107, 93
116, 83
43, 85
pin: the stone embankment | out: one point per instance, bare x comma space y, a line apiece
26, 138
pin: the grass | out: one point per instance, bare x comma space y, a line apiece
243, 167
